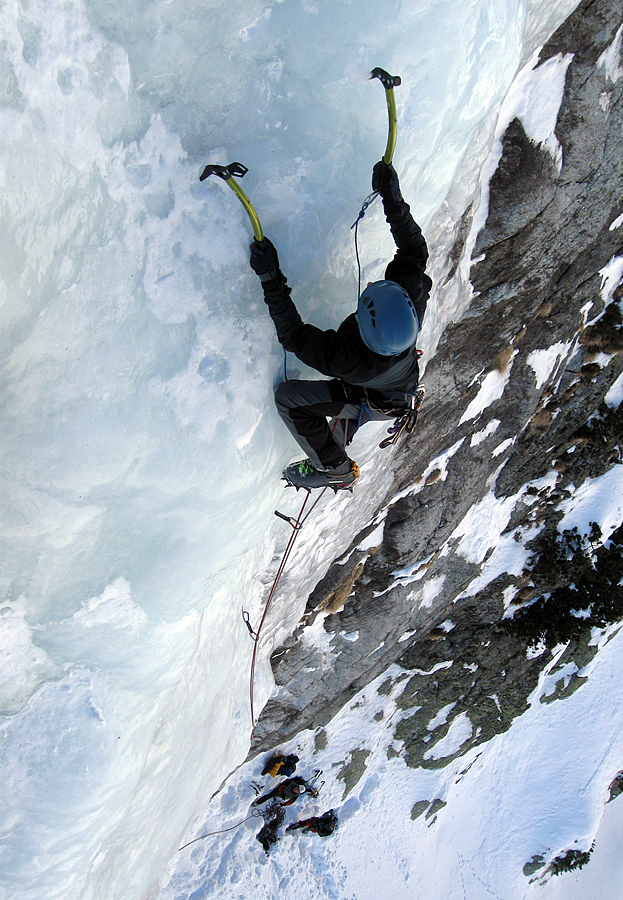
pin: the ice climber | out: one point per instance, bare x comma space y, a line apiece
287, 791
280, 765
323, 825
371, 359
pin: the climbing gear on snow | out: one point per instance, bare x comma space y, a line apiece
314, 791
323, 825
227, 174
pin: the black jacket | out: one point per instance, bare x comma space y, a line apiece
342, 354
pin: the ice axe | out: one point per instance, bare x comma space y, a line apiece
227, 173
389, 82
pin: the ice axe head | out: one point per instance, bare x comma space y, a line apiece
228, 174
388, 81
224, 172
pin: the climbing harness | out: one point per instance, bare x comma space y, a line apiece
296, 525
407, 421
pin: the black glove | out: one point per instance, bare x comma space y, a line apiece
264, 260
385, 181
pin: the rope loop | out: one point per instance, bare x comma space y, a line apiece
366, 203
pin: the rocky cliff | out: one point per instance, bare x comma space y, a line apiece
513, 423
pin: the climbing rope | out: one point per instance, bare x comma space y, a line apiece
254, 815
366, 203
296, 525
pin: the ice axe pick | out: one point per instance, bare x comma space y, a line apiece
227, 173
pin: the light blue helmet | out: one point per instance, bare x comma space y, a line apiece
388, 322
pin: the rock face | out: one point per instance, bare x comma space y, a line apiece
542, 338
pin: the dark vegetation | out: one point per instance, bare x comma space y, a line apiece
572, 859
580, 585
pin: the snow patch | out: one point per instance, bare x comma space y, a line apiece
611, 58
534, 98
596, 500
617, 223
614, 397
412, 573
351, 636
611, 275
482, 526
442, 717
439, 463
374, 539
537, 650
491, 389
431, 590
544, 361
459, 732
481, 436
509, 557
502, 447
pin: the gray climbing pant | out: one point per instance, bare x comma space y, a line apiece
305, 407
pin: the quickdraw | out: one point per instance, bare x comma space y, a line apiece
406, 422
296, 525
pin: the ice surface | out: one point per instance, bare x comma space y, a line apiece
141, 452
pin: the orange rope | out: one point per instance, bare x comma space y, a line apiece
296, 527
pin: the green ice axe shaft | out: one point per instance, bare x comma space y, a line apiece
389, 82
227, 174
